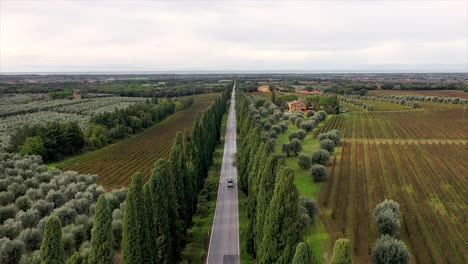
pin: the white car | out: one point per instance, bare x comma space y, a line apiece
230, 182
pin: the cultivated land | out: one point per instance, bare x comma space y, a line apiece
116, 163
415, 157
445, 93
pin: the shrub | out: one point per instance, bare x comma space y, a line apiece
311, 207
298, 122
295, 145
342, 252
117, 226
6, 198
304, 161
7, 212
266, 125
277, 129
10, 229
32, 238
286, 148
44, 208
23, 203
318, 172
310, 113
328, 145
272, 134
322, 136
284, 126
304, 220
33, 258
390, 250
11, 251
321, 156
301, 134
387, 217
322, 114
29, 218
293, 135
335, 136
66, 215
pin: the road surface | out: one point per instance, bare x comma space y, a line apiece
224, 240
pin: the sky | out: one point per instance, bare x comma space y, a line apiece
106, 35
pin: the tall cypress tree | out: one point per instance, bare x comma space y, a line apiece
259, 168
265, 193
135, 239
102, 251
178, 162
52, 246
281, 229
342, 252
152, 225
303, 254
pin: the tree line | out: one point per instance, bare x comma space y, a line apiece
54, 141
274, 206
157, 213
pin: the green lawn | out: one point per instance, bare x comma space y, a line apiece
316, 236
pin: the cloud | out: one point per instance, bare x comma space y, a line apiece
216, 35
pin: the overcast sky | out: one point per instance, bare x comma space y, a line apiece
46, 35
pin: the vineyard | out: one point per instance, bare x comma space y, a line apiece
427, 180
447, 93
411, 124
415, 157
116, 163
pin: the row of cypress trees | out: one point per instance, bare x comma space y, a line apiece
273, 200
158, 213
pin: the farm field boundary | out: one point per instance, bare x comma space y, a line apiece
116, 163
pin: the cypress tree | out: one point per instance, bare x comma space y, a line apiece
52, 246
281, 228
303, 254
151, 216
259, 168
135, 239
342, 252
265, 193
77, 258
101, 236
161, 186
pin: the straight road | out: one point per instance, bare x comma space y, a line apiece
224, 240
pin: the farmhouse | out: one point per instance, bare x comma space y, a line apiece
297, 106
77, 94
264, 88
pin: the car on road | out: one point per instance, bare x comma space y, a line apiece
230, 182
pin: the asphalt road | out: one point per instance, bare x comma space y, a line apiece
224, 240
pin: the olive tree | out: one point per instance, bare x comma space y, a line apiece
321, 156
328, 145
304, 161
286, 148
11, 251
387, 218
295, 145
318, 172
389, 250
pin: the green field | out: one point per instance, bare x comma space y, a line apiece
415, 157
316, 235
